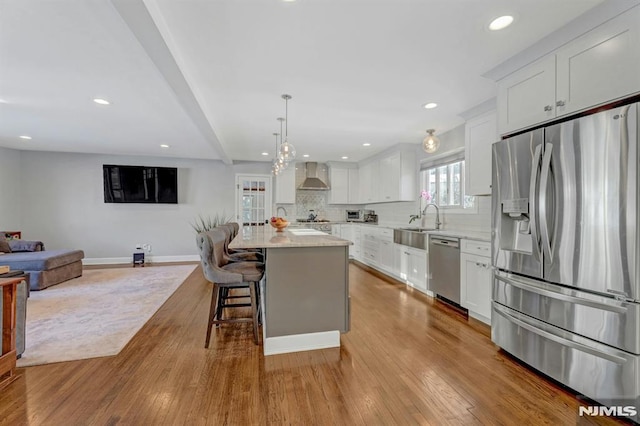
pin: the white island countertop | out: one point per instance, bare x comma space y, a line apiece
268, 237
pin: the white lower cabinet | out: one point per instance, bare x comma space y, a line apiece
370, 246
351, 233
386, 255
411, 266
475, 279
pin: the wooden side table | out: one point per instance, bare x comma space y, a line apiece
8, 355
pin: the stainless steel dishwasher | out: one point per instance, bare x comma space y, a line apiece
444, 267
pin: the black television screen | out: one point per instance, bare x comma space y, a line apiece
140, 184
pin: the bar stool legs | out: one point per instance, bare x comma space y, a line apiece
219, 297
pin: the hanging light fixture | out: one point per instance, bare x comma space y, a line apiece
283, 164
287, 151
431, 143
275, 165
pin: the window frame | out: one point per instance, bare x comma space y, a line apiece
449, 161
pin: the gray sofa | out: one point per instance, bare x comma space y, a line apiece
45, 267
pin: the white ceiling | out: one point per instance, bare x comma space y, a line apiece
205, 77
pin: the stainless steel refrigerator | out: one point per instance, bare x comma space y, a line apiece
565, 251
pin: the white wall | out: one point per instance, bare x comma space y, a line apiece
63, 204
10, 190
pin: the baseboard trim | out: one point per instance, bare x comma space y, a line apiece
148, 259
301, 342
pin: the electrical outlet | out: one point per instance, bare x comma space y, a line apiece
147, 247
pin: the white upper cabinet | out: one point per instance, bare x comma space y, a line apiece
354, 186
601, 66
339, 182
390, 178
480, 133
344, 185
527, 96
286, 185
365, 182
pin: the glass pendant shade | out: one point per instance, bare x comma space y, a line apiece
287, 152
431, 143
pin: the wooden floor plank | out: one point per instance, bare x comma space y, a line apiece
407, 360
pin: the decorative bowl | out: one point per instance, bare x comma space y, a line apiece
280, 226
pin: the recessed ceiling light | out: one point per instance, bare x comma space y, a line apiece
430, 105
101, 101
265, 153
164, 146
344, 157
501, 22
305, 155
25, 137
366, 144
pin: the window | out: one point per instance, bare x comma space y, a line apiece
444, 185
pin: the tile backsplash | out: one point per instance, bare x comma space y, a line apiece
307, 200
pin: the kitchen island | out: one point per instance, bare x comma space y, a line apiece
305, 293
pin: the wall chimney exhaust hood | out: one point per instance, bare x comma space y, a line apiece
312, 181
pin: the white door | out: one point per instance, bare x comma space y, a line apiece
253, 199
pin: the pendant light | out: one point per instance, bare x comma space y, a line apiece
275, 165
431, 143
287, 151
283, 164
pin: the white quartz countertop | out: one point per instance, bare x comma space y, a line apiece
268, 237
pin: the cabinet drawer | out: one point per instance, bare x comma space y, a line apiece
385, 234
479, 248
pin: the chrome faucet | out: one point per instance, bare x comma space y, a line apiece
424, 211
278, 211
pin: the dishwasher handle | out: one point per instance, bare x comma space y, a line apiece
446, 242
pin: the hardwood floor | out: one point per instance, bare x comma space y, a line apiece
407, 360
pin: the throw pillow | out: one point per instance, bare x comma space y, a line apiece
4, 246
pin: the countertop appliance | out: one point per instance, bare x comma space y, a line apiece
565, 252
444, 267
361, 216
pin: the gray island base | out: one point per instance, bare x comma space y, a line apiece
305, 292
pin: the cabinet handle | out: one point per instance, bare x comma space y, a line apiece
559, 103
548, 107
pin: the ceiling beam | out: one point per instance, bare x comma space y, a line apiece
138, 18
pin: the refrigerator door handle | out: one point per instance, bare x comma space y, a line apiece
533, 205
547, 335
560, 296
542, 198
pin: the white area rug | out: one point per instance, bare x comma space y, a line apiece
97, 314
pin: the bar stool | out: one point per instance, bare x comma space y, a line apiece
235, 228
236, 255
225, 276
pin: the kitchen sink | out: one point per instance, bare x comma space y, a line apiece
412, 237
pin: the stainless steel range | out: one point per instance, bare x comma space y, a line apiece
566, 253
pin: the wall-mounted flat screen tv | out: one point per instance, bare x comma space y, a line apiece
140, 184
